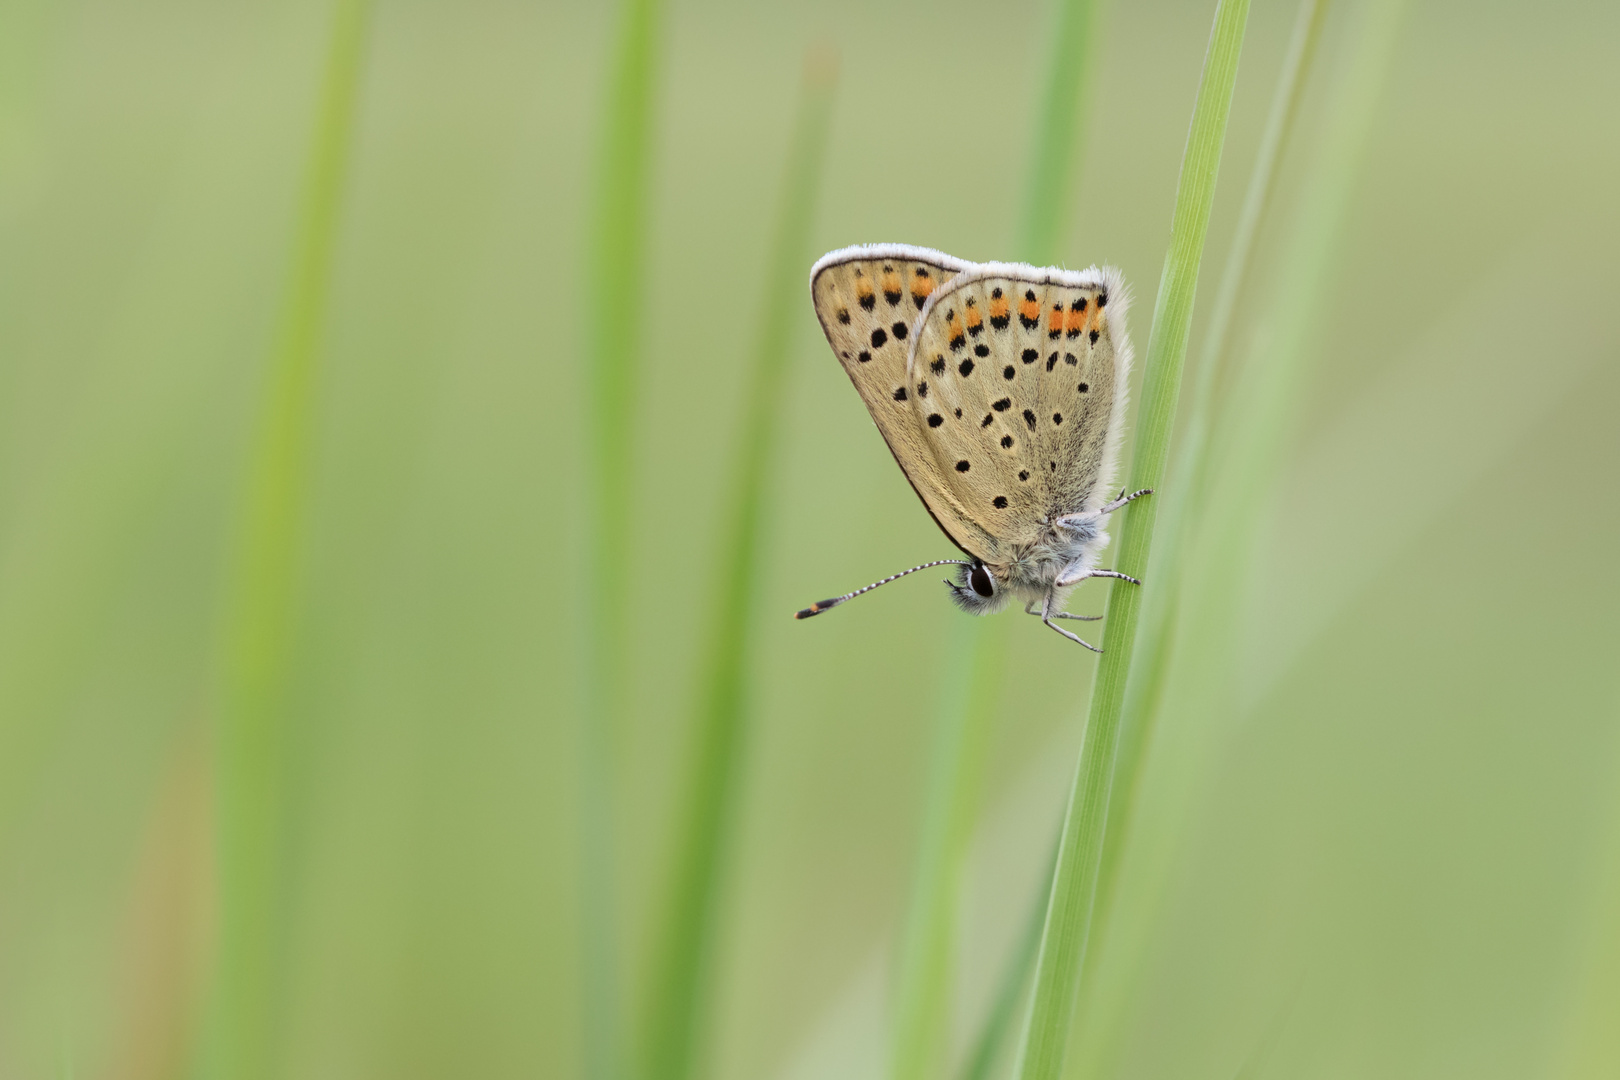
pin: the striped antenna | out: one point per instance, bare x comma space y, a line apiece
822, 605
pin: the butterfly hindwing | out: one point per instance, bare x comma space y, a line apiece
1026, 371
869, 300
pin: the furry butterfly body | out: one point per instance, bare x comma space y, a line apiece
1000, 389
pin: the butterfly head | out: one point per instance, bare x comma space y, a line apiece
976, 589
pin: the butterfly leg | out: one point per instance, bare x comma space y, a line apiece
1123, 499
1047, 616
1090, 524
1064, 583
1029, 609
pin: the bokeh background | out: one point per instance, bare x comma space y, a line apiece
1399, 855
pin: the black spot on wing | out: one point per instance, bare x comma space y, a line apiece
879, 336
981, 350
1029, 418
965, 367
899, 331
1094, 336
865, 357
899, 393
934, 419
1030, 356
1008, 372
1003, 405
938, 366
963, 466
999, 502
843, 315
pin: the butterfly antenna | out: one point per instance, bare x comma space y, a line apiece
822, 605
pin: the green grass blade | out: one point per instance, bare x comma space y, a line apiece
1068, 920
1245, 454
614, 258
1158, 614
253, 740
927, 954
1186, 475
1239, 459
1243, 457
1055, 144
1014, 982
956, 773
681, 982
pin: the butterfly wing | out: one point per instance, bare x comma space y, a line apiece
868, 300
1017, 377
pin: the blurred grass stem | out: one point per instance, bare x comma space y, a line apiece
614, 259
1068, 921
681, 983
1010, 991
253, 741
955, 780
1056, 143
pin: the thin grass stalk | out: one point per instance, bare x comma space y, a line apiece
956, 774
1188, 475
681, 983
1014, 984
1247, 454
1068, 922
1055, 144
614, 257
1158, 615
1241, 460
925, 975
253, 741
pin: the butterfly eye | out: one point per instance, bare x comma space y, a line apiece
982, 582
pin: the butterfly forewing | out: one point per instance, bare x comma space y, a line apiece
869, 300
1025, 382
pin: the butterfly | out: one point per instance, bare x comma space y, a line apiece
1000, 389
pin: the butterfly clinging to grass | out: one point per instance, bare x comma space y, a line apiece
1000, 389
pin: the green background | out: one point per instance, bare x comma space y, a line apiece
1401, 855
